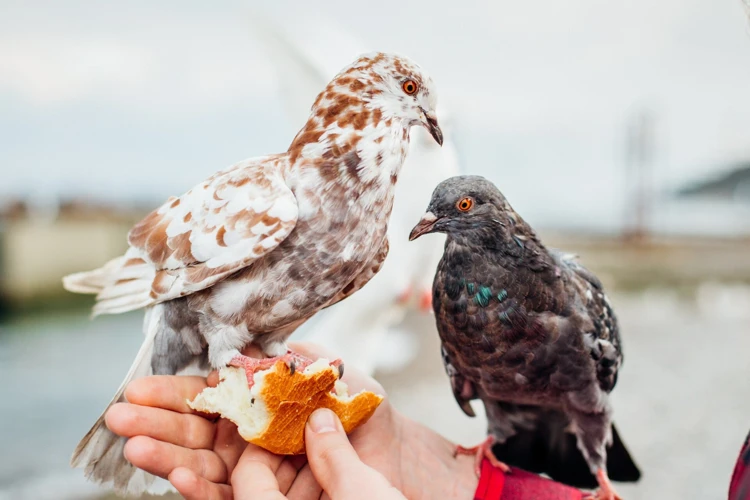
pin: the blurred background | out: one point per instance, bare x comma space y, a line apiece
620, 130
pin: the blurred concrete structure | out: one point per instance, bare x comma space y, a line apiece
38, 247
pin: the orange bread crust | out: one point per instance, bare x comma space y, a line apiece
290, 399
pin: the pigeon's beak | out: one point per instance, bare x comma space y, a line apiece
424, 226
431, 124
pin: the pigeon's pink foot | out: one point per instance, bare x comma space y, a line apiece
605, 491
425, 300
253, 365
481, 451
293, 360
404, 297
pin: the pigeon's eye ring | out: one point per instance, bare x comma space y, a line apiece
465, 204
409, 87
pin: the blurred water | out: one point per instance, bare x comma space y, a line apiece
59, 373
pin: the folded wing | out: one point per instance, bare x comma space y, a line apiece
190, 243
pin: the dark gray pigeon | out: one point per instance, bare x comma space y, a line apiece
529, 332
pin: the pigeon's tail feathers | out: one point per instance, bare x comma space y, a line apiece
122, 284
620, 465
125, 303
100, 452
93, 281
548, 447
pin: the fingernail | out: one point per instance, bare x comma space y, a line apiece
322, 420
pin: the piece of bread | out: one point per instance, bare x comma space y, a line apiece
274, 412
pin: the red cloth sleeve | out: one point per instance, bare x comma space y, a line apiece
739, 487
520, 485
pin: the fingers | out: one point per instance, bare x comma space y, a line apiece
213, 379
161, 459
190, 431
170, 392
228, 444
336, 465
286, 473
329, 453
193, 487
305, 486
262, 475
255, 475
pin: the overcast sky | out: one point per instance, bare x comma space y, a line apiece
140, 100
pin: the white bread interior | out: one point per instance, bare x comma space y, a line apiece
247, 408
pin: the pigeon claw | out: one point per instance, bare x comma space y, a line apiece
605, 491
296, 362
480, 452
339, 365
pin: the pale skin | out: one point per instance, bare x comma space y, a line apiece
204, 459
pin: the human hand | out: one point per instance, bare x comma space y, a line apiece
332, 460
198, 456
195, 451
165, 434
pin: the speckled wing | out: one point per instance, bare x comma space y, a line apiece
190, 243
603, 340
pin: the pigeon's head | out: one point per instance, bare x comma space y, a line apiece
391, 87
466, 205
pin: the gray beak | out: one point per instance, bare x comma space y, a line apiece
424, 226
432, 126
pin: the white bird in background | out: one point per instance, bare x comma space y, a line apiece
368, 330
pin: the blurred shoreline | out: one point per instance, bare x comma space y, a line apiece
673, 262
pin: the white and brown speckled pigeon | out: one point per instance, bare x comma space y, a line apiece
529, 332
255, 250
368, 329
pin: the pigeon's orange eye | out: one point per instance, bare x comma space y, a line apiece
409, 86
465, 204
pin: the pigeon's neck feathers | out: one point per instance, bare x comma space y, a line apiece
351, 141
357, 134
508, 239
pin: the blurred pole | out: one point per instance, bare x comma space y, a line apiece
639, 166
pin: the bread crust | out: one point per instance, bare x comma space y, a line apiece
290, 398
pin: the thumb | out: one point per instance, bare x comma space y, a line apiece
333, 461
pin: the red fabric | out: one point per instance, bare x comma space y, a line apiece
739, 487
520, 485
